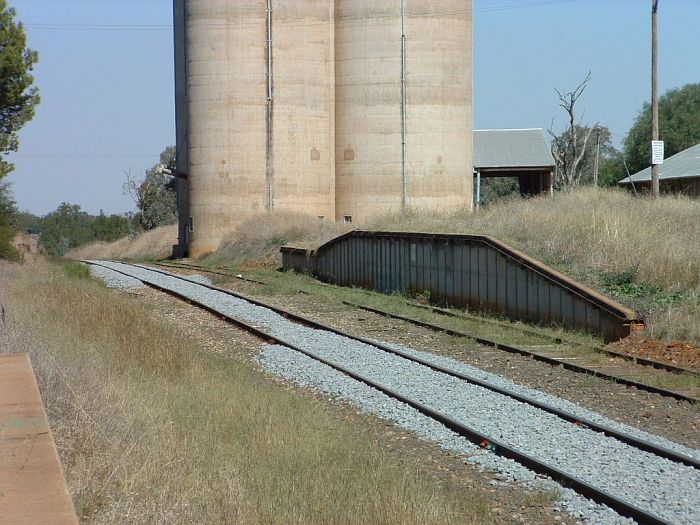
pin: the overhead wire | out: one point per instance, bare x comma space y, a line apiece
297, 22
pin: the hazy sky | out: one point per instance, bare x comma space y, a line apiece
106, 81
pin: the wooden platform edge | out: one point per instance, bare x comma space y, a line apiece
33, 488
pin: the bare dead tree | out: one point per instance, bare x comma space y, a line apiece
569, 148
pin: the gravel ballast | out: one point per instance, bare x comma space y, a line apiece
665, 488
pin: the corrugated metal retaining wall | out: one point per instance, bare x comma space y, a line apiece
475, 271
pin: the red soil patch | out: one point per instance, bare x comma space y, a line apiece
676, 353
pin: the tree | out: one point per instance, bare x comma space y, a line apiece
598, 144
495, 189
65, 228
8, 214
612, 170
109, 228
155, 196
679, 126
571, 146
18, 97
17, 101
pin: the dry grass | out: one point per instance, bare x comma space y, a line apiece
256, 242
154, 244
587, 231
151, 430
590, 233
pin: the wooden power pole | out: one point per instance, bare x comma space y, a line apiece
654, 95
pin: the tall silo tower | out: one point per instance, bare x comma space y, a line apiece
255, 105
403, 106
336, 108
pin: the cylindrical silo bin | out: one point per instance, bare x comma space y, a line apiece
403, 106
304, 113
260, 112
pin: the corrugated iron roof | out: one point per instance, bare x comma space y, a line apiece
511, 148
684, 164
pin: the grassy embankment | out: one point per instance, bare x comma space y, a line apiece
153, 430
644, 253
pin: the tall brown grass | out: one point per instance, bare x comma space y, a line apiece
588, 230
153, 244
151, 429
586, 233
256, 242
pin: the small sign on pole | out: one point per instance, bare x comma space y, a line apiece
657, 151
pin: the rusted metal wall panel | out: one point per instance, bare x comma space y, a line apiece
472, 271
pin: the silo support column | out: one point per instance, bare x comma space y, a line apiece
404, 175
478, 189
269, 171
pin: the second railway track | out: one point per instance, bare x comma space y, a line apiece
627, 375
601, 460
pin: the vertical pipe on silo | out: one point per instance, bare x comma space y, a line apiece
404, 179
269, 169
181, 123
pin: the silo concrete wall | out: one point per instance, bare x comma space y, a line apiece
439, 104
261, 132
327, 107
368, 107
403, 75
304, 99
226, 71
181, 111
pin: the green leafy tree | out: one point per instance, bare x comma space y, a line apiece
65, 228
8, 216
612, 170
155, 196
109, 228
26, 221
679, 126
495, 189
18, 96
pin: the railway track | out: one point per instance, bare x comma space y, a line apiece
309, 338
552, 357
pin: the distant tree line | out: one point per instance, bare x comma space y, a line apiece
69, 226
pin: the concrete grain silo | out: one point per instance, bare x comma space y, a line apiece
403, 106
255, 104
335, 108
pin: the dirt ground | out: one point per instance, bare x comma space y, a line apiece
676, 353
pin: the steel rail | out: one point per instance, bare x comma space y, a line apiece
185, 266
621, 506
559, 340
563, 414
659, 365
529, 353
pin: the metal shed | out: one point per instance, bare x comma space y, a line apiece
521, 153
679, 173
